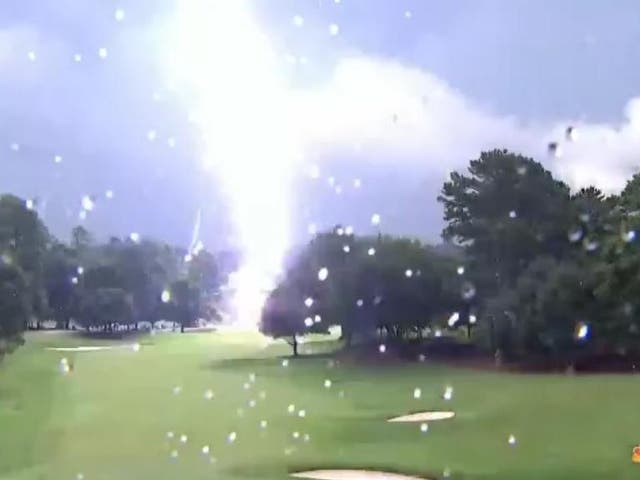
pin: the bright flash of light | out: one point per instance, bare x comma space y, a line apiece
229, 72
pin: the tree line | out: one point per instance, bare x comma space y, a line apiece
527, 268
120, 284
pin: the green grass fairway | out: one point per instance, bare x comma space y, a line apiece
109, 417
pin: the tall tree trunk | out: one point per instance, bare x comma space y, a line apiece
294, 345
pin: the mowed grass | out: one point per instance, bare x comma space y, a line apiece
108, 419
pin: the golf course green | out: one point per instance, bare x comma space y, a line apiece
120, 413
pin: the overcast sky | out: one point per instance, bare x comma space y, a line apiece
389, 95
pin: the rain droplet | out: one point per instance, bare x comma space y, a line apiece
29, 204
575, 235
323, 273
135, 347
246, 386
582, 331
357, 183
629, 236
252, 403
417, 393
165, 296
334, 29
252, 377
375, 219
134, 237
460, 270
174, 454
77, 57
171, 142
408, 273
327, 383
31, 56
308, 302
346, 248
170, 435
208, 395
291, 408
302, 413
513, 214
102, 53
348, 230
119, 14
511, 440
295, 435
312, 229
472, 319
448, 393
308, 322
306, 437
15, 147
183, 438
152, 135
317, 319
590, 245
297, 20
468, 291
87, 203
263, 424
382, 348
408, 14
232, 437
57, 159
371, 251
177, 390
359, 302
424, 428
285, 363
571, 133
554, 150
205, 450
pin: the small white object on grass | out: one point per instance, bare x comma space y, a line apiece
382, 348
448, 393
512, 440
424, 427
285, 363
327, 383
417, 393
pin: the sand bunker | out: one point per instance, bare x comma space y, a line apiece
80, 349
424, 416
352, 475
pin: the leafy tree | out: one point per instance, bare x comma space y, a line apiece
62, 295
505, 212
104, 308
14, 307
